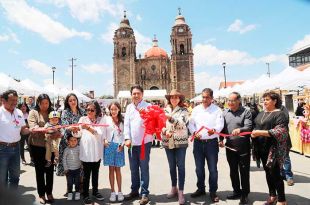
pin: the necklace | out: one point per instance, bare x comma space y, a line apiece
263, 118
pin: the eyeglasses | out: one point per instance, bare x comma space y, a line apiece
206, 97
90, 110
232, 101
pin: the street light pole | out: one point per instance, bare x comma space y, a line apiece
53, 69
224, 66
268, 71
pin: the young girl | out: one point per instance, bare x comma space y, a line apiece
114, 153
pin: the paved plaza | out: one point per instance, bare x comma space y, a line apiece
298, 194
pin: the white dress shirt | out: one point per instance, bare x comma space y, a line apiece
113, 131
211, 117
133, 125
10, 125
91, 145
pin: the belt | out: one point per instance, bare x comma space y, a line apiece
7, 144
205, 140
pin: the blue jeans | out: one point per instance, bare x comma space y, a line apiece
206, 150
135, 163
287, 168
9, 166
176, 158
73, 177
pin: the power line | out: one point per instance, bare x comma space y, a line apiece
72, 65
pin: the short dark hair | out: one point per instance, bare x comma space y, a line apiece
69, 135
274, 96
237, 94
5, 94
39, 100
97, 107
139, 87
208, 90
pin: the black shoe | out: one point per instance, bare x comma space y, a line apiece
131, 196
244, 200
198, 193
234, 195
87, 200
98, 196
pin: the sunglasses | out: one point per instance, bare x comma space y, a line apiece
90, 110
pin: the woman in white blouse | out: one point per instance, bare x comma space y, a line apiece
114, 156
91, 149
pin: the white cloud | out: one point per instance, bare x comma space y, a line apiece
109, 34
275, 58
143, 43
207, 55
96, 68
212, 81
90, 10
34, 20
38, 67
238, 26
138, 17
7, 37
302, 43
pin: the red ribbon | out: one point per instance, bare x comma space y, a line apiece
220, 134
154, 121
64, 126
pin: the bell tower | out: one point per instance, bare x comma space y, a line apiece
124, 56
182, 71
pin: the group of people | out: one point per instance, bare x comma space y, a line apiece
79, 140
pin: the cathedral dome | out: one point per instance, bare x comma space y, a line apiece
155, 51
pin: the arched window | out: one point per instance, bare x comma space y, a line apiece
123, 52
153, 67
182, 49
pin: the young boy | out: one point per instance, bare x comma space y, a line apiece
51, 144
72, 166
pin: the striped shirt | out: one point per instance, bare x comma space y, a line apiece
71, 159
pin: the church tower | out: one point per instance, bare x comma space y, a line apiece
182, 71
124, 57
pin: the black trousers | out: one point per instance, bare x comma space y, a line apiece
274, 178
239, 164
93, 169
44, 175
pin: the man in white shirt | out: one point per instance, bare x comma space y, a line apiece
12, 123
206, 142
134, 134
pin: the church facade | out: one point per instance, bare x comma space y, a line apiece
156, 70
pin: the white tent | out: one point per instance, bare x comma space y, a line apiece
30, 88
6, 82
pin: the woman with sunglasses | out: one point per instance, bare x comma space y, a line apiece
91, 149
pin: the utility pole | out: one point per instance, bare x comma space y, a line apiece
72, 65
268, 71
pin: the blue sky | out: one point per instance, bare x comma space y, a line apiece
36, 35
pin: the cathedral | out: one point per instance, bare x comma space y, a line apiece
156, 70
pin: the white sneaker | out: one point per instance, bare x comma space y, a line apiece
120, 196
113, 197
77, 196
70, 196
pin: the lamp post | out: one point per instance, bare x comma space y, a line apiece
224, 67
53, 69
